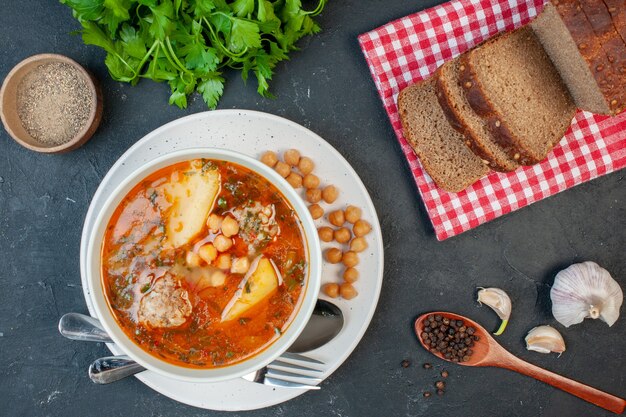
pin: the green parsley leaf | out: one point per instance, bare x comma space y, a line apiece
211, 90
243, 34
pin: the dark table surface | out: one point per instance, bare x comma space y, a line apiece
43, 201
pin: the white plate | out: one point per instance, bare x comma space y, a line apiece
252, 133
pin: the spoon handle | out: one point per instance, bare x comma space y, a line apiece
113, 368
587, 393
81, 327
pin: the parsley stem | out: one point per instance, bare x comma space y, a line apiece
175, 57
318, 9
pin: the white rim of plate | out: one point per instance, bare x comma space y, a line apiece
236, 113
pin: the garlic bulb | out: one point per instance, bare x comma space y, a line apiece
499, 302
585, 290
545, 339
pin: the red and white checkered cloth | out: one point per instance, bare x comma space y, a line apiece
409, 49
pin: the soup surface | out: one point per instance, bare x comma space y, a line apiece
203, 263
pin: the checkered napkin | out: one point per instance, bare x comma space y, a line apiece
409, 49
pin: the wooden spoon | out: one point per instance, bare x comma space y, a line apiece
487, 352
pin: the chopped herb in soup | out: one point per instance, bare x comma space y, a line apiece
203, 263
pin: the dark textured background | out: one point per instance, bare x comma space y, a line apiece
43, 201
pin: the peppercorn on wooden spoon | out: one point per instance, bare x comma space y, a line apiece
487, 352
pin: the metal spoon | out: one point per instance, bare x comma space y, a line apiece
325, 323
487, 352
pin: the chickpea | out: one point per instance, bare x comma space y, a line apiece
282, 169
222, 243
314, 195
342, 235
316, 211
350, 275
269, 158
306, 165
353, 214
223, 261
208, 253
347, 291
217, 278
292, 157
331, 290
350, 259
337, 218
326, 234
311, 181
295, 180
358, 244
230, 226
214, 222
330, 194
240, 266
192, 259
361, 228
333, 255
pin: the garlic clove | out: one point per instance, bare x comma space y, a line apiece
545, 339
499, 301
585, 290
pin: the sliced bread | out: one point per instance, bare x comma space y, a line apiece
441, 149
511, 82
463, 118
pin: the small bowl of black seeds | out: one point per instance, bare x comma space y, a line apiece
50, 103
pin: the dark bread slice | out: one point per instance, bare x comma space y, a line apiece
575, 69
617, 10
440, 148
590, 47
510, 81
463, 118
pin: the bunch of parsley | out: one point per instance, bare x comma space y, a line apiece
188, 43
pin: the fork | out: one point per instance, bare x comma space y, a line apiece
290, 370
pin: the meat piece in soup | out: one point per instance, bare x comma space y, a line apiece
166, 304
188, 291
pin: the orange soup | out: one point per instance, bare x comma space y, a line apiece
204, 263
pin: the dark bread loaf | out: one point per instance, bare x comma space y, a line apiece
617, 10
441, 149
578, 71
512, 83
600, 59
612, 43
463, 118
